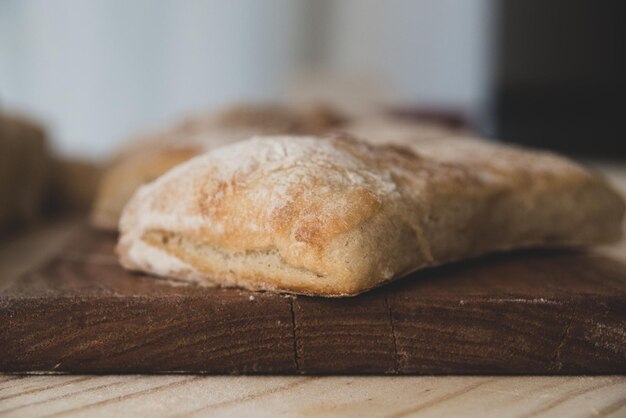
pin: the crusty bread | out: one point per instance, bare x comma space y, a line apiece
146, 158
335, 216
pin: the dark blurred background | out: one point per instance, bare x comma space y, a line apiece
561, 75
547, 74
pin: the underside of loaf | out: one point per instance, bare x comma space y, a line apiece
347, 265
251, 269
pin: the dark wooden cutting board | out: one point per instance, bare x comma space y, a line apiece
529, 312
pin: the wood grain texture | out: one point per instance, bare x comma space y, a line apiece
312, 396
271, 396
530, 312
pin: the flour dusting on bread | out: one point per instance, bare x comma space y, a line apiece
335, 216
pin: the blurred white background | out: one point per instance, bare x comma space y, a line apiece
97, 71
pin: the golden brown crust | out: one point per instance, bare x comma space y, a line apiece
334, 216
148, 157
120, 182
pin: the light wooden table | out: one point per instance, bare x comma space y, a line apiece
272, 396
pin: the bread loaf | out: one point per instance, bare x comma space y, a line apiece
335, 216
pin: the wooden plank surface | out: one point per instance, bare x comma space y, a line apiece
527, 313
326, 396
312, 396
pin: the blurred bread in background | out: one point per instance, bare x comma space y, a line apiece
24, 166
393, 130
213, 128
34, 184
